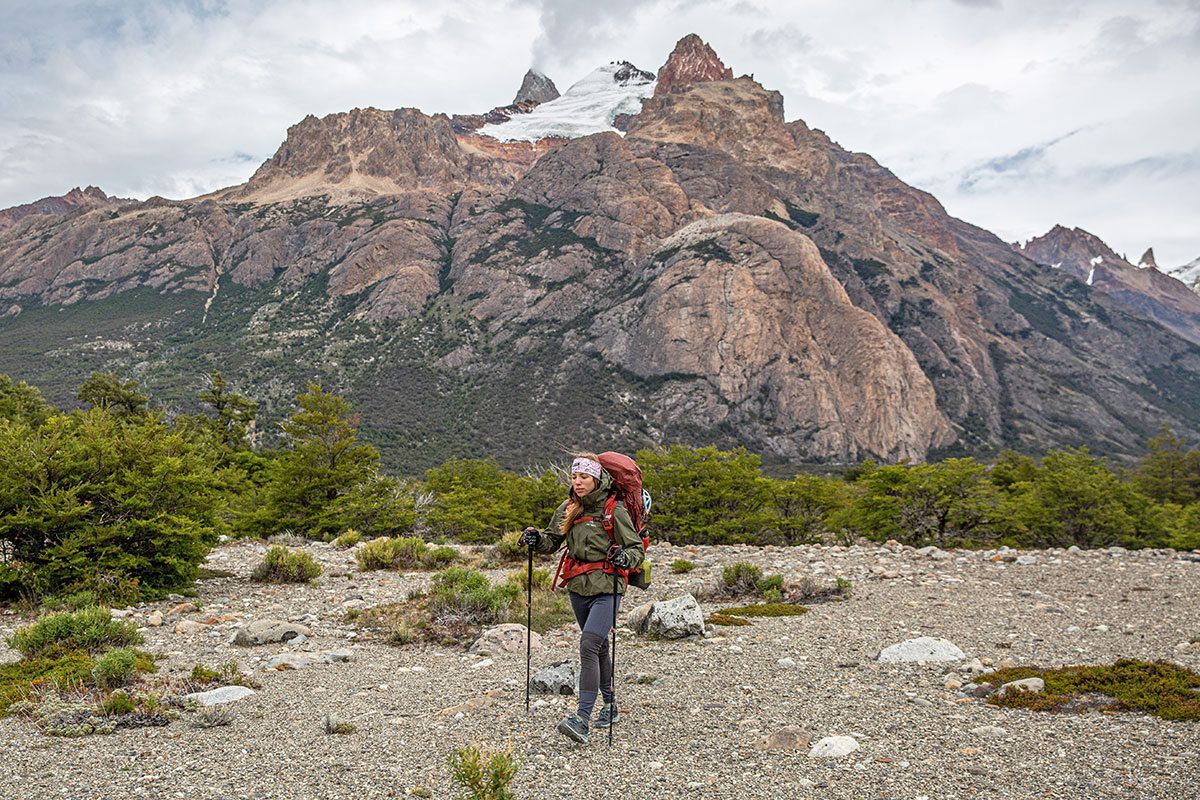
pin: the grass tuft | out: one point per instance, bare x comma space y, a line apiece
285, 566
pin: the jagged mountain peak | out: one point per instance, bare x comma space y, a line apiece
1147, 260
692, 61
57, 206
536, 88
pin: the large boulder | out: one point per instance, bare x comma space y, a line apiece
668, 619
268, 631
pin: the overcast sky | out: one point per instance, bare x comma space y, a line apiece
1016, 114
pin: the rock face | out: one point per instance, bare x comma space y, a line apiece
1084, 256
535, 88
716, 275
692, 61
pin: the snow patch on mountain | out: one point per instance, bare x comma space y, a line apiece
587, 107
1188, 274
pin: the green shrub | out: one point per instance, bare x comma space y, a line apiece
809, 590
483, 775
477, 501
91, 630
119, 702
404, 552
115, 667
348, 539
71, 669
510, 549
439, 557
682, 565
468, 596
744, 578
286, 566
706, 496
123, 506
541, 579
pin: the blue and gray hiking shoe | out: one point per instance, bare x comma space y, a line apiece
609, 715
574, 728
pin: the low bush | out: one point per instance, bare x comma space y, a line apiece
286, 566
119, 702
483, 774
510, 549
400, 552
115, 667
348, 539
744, 578
682, 565
549, 609
439, 557
809, 590
91, 630
466, 596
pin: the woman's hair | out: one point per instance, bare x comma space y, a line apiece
574, 507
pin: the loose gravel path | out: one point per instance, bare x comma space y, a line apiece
693, 735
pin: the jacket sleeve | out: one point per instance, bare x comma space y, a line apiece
626, 536
552, 536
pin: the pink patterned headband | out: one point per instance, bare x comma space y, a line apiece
586, 466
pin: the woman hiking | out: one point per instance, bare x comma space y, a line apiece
587, 572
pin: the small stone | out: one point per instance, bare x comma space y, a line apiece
1023, 685
182, 608
833, 747
990, 730
787, 738
155, 619
786, 662
189, 626
487, 662
1027, 560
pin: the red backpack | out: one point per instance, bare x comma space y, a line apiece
627, 490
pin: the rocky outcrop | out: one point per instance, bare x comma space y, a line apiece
536, 88
74, 200
1147, 259
692, 61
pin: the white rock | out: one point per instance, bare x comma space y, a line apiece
786, 662
1026, 684
1027, 560
990, 730
223, 694
487, 662
833, 747
923, 648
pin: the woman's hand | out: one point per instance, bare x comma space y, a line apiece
530, 537
618, 557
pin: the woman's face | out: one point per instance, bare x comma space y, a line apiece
583, 483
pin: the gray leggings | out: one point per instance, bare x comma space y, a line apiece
595, 616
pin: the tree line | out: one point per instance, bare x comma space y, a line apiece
125, 501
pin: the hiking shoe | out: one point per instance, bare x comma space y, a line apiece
574, 728
609, 715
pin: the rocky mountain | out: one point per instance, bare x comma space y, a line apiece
74, 200
535, 88
692, 61
1084, 256
716, 275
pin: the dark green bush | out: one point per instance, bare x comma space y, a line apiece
91, 630
120, 506
477, 501
682, 565
286, 566
744, 578
706, 496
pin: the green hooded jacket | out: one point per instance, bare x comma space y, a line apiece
588, 541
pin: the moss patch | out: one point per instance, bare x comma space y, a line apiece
725, 619
764, 610
1158, 688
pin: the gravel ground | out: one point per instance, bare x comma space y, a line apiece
694, 734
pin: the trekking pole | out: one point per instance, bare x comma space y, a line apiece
528, 622
613, 655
